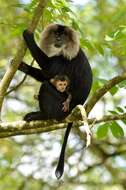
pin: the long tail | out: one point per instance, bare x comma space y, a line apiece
60, 167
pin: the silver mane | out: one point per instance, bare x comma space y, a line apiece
69, 50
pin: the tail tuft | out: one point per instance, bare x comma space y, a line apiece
60, 167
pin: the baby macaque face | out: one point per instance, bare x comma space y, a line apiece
61, 85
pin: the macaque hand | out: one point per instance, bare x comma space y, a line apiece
65, 106
23, 67
26, 32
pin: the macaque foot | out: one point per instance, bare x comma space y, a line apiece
23, 67
32, 116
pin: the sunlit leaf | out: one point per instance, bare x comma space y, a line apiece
108, 38
86, 43
102, 131
122, 84
113, 90
113, 112
100, 48
116, 130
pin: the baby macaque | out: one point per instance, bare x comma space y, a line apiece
61, 83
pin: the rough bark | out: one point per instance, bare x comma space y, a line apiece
8, 129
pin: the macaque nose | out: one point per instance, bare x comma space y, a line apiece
58, 38
58, 43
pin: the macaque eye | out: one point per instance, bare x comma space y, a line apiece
65, 84
65, 33
60, 84
51, 32
56, 33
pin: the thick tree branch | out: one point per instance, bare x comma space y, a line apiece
100, 92
20, 53
8, 129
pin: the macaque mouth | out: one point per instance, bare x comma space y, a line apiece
58, 45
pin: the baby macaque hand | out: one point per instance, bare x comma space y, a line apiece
65, 106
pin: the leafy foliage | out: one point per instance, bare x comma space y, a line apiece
115, 128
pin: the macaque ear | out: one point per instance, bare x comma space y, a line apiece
52, 81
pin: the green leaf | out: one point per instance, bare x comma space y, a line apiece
86, 43
122, 84
100, 48
124, 121
75, 25
113, 90
109, 38
113, 112
116, 130
102, 131
66, 9
120, 109
102, 81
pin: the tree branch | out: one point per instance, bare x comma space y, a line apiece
8, 129
20, 53
108, 118
100, 92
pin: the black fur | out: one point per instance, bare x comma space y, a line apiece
78, 71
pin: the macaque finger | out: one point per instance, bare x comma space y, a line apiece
65, 106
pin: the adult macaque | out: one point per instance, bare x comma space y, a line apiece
59, 54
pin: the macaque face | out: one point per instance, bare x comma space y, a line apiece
61, 85
58, 40
59, 35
